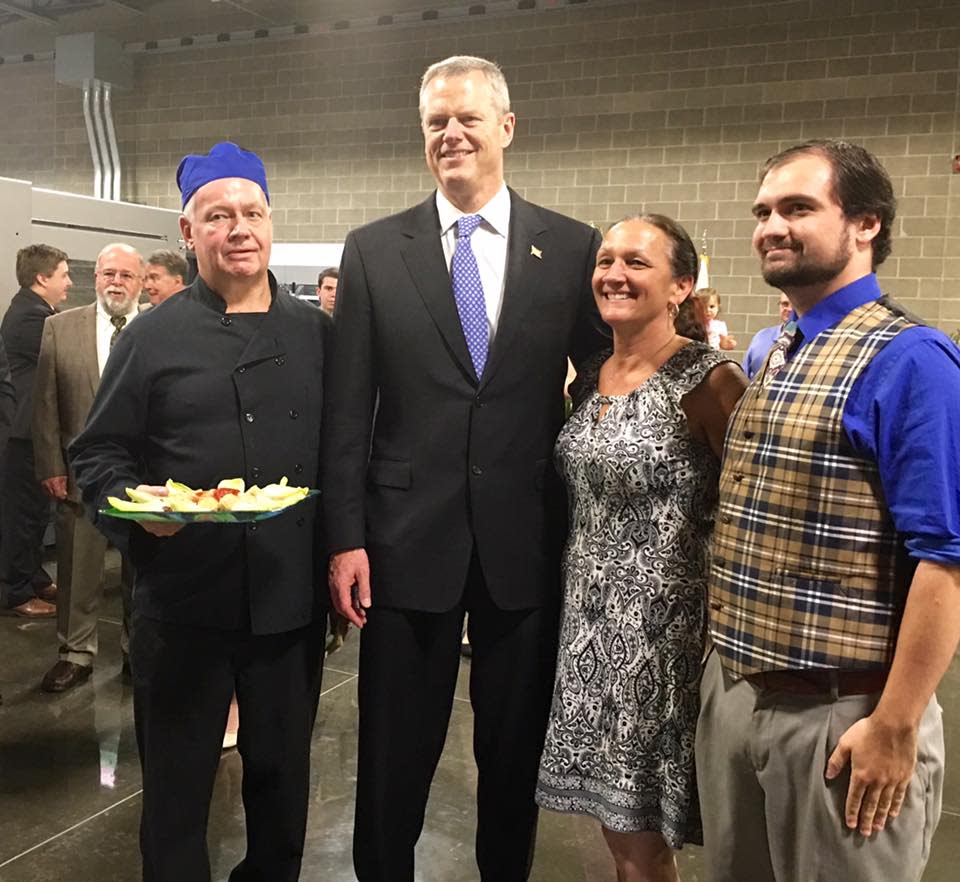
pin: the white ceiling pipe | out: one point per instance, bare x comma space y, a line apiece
114, 192
92, 138
107, 187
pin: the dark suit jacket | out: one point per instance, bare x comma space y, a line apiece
8, 399
180, 398
21, 330
423, 461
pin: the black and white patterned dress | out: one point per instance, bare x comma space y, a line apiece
643, 494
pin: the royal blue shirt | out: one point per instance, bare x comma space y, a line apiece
760, 345
903, 412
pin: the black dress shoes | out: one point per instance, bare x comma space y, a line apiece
64, 675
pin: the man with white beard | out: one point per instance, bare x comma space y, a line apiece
73, 352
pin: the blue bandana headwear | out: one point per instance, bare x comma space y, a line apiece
225, 160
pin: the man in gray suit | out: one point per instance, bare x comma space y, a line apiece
73, 353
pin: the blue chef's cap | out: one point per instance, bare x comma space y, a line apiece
225, 160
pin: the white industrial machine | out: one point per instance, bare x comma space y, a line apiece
79, 225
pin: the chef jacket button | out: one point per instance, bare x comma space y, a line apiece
294, 414
241, 370
476, 470
253, 527
226, 321
279, 361
248, 417
300, 522
298, 468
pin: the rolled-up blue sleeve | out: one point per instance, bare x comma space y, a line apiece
904, 412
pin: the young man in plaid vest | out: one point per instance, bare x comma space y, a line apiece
834, 598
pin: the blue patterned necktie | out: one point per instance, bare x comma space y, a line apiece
790, 338
468, 293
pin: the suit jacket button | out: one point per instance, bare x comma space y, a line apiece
226, 321
253, 527
476, 470
241, 370
279, 361
294, 414
249, 417
255, 471
298, 468
299, 522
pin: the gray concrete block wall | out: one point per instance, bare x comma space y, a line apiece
666, 106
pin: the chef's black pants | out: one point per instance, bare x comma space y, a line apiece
183, 680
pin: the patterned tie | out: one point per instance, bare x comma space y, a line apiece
468, 293
118, 321
787, 343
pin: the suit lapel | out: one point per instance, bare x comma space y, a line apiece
88, 347
422, 253
522, 277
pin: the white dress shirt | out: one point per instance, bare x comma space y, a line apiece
489, 245
105, 331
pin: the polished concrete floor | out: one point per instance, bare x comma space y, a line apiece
70, 782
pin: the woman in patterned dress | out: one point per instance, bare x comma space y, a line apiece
640, 456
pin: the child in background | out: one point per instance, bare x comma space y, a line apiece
717, 335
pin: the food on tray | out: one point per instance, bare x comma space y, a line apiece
231, 494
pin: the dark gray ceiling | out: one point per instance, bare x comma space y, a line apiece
31, 26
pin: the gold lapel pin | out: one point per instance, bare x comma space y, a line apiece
536, 252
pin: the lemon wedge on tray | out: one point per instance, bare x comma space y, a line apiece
231, 494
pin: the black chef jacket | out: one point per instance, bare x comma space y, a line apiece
196, 395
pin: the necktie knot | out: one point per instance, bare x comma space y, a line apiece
467, 225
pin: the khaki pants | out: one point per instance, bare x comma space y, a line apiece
769, 815
80, 551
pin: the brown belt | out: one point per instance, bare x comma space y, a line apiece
819, 682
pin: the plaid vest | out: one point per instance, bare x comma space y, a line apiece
807, 569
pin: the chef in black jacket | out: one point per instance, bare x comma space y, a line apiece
222, 381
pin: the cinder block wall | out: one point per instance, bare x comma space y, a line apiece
669, 105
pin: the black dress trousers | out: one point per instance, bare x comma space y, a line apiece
24, 513
408, 670
183, 680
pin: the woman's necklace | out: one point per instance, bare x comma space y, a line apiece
652, 360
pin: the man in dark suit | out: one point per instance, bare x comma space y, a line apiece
8, 399
453, 324
221, 381
44, 278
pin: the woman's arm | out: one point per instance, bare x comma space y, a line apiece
709, 405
